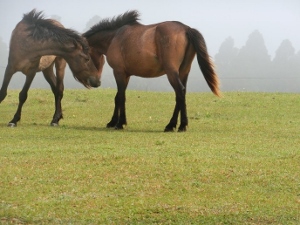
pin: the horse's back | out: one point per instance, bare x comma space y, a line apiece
144, 50
22, 53
134, 50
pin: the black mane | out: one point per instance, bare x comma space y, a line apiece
128, 18
44, 29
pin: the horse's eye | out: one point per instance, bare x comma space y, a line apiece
86, 57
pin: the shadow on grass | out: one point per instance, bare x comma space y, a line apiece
105, 129
93, 128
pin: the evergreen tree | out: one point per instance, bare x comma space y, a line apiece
285, 52
283, 60
226, 55
295, 66
286, 67
253, 60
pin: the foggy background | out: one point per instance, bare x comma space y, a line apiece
255, 43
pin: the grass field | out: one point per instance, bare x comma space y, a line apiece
238, 163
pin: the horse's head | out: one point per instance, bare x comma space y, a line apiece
82, 65
98, 60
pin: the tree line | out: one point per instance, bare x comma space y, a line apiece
249, 68
252, 67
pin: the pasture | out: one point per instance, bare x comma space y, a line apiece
238, 162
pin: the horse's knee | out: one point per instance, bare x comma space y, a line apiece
2, 95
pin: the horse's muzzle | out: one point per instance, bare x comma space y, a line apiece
93, 82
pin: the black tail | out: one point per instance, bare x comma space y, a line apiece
204, 60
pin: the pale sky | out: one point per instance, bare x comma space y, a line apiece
215, 19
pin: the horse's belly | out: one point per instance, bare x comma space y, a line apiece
145, 65
46, 61
147, 70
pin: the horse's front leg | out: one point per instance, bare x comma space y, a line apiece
119, 115
57, 86
122, 117
22, 98
51, 79
60, 65
115, 118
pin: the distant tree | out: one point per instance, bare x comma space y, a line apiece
296, 64
283, 60
243, 69
94, 20
253, 59
285, 52
286, 66
294, 73
251, 68
226, 55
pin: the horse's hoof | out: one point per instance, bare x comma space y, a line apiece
111, 125
119, 128
183, 129
11, 124
168, 129
54, 124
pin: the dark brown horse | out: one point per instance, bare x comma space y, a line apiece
37, 44
150, 51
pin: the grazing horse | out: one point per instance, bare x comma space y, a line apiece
37, 44
132, 48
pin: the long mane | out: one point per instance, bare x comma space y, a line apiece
45, 29
128, 18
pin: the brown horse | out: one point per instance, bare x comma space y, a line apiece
150, 51
37, 44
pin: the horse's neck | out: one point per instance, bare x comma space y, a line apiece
55, 48
22, 41
101, 41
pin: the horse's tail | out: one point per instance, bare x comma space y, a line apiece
204, 60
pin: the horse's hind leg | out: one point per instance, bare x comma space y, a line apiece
180, 106
22, 98
7, 77
173, 122
183, 112
184, 71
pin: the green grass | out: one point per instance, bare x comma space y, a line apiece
238, 163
